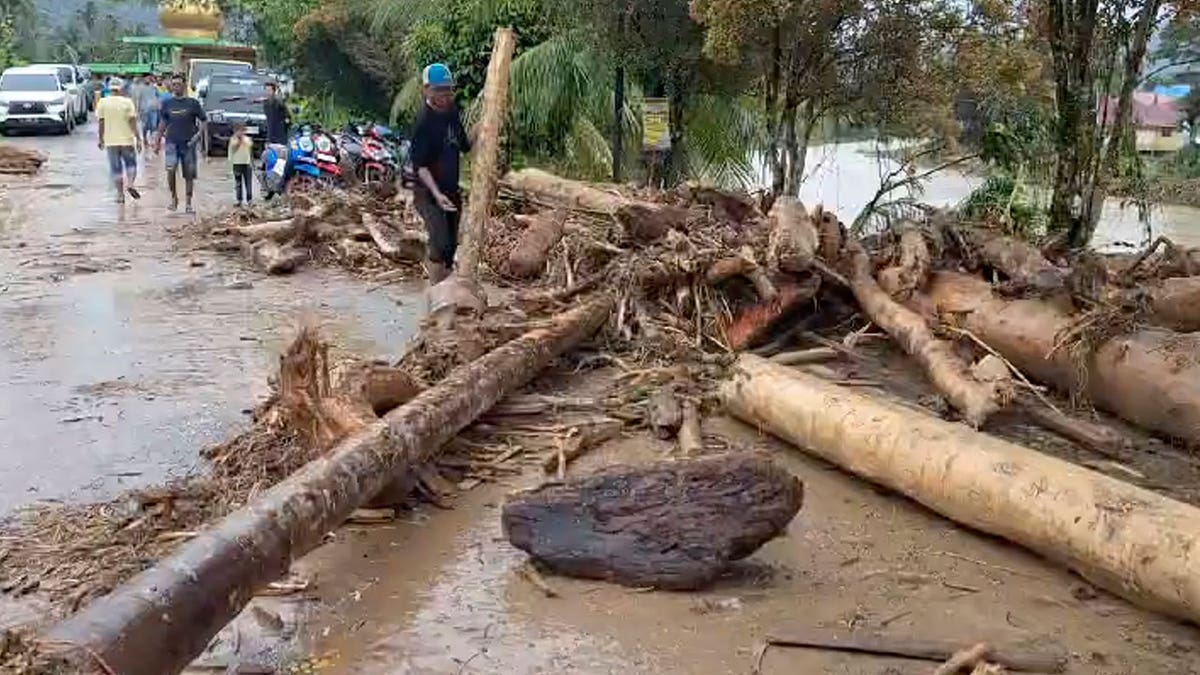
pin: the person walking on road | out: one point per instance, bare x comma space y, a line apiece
241, 148
438, 141
278, 116
181, 123
146, 100
118, 134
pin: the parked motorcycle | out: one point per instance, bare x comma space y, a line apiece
369, 150
308, 160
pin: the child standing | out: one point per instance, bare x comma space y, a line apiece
241, 148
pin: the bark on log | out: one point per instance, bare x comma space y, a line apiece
664, 412
161, 619
1130, 541
674, 525
753, 325
1175, 303
279, 231
485, 156
642, 221
951, 376
389, 242
735, 206
793, 241
1023, 264
1149, 377
275, 259
912, 270
528, 257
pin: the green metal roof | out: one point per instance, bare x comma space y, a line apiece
178, 41
120, 68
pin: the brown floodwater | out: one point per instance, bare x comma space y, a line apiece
122, 356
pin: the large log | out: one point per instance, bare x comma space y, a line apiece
528, 257
642, 221
1128, 540
674, 525
161, 619
485, 156
1175, 303
975, 400
1023, 264
1150, 377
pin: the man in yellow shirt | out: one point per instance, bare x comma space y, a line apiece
119, 137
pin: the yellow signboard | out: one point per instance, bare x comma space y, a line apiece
656, 124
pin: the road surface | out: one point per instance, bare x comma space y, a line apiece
125, 354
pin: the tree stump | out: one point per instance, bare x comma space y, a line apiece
671, 525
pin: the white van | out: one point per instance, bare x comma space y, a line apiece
33, 98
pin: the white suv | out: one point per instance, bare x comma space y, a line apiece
34, 98
72, 79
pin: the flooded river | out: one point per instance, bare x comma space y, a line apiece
123, 355
844, 177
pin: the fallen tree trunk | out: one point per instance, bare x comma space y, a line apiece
673, 525
1175, 303
485, 156
279, 231
1150, 377
1130, 541
793, 240
161, 619
394, 245
753, 325
975, 400
528, 257
642, 221
1023, 264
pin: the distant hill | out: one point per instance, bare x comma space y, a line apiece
55, 13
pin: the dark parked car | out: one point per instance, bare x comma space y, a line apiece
229, 100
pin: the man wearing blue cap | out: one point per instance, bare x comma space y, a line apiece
438, 141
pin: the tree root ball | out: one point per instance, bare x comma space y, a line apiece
674, 525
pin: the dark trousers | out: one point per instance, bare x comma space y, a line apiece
243, 179
442, 226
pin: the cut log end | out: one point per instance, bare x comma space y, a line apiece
672, 525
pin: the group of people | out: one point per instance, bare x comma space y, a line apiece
438, 142
130, 119
137, 116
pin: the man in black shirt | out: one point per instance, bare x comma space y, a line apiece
438, 141
277, 114
180, 121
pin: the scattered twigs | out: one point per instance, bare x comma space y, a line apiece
1095, 437
579, 441
921, 648
806, 356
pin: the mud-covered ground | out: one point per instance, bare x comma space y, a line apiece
438, 591
126, 353
123, 355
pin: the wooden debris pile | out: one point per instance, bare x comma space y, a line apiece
20, 161
364, 232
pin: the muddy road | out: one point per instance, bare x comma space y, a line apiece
124, 355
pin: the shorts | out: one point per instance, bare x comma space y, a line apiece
149, 121
121, 158
181, 154
442, 226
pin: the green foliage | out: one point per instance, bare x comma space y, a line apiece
1006, 201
